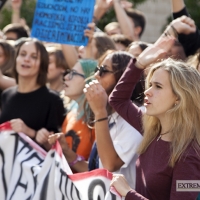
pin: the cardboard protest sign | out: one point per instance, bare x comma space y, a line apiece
62, 21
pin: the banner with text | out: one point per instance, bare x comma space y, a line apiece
28, 172
62, 21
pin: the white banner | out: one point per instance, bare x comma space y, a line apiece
29, 173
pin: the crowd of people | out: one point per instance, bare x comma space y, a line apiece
119, 103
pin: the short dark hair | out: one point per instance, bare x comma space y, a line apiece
44, 60
18, 29
103, 43
137, 17
143, 45
120, 60
59, 57
120, 38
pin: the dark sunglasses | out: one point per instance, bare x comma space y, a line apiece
102, 70
71, 74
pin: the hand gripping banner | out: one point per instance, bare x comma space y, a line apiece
27, 172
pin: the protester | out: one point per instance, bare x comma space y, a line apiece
57, 67
113, 149
112, 28
138, 22
30, 107
121, 41
190, 40
79, 136
136, 47
6, 61
15, 31
171, 145
146, 151
131, 21
99, 43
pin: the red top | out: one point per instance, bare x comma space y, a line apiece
155, 180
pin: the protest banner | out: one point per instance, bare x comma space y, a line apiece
62, 21
29, 172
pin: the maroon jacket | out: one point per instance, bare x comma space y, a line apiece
155, 180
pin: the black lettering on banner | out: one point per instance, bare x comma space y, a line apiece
21, 153
66, 185
3, 172
23, 149
43, 194
96, 184
32, 175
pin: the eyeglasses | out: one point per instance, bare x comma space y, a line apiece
102, 70
71, 74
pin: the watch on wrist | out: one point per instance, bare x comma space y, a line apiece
78, 159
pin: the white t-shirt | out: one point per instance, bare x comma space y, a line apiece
125, 140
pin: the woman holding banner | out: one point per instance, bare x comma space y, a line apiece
78, 135
30, 107
113, 149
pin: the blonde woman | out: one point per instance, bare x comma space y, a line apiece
170, 150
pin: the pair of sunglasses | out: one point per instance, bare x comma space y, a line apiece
71, 74
102, 70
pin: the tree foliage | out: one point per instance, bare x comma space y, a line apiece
28, 7
193, 7
110, 15
27, 12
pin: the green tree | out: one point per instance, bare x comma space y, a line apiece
193, 8
110, 15
27, 12
28, 7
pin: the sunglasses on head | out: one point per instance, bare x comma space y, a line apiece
102, 70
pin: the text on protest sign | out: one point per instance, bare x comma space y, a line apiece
62, 21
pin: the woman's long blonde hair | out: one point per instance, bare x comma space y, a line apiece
185, 116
